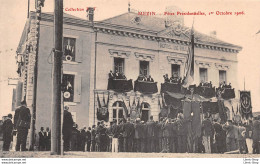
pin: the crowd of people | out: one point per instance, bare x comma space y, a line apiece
205, 84
173, 79
147, 78
166, 135
116, 76
170, 136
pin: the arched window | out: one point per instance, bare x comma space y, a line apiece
118, 111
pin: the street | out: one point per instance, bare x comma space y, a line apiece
37, 154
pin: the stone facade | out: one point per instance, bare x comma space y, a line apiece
98, 43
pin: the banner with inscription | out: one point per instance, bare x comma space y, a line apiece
245, 103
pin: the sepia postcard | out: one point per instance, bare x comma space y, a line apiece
130, 79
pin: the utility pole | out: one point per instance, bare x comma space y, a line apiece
56, 79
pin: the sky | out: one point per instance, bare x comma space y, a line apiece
240, 30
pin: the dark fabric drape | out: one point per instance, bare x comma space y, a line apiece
210, 107
146, 87
120, 85
170, 87
206, 92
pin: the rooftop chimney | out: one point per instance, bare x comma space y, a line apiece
90, 12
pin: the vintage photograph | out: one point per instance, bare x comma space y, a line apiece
130, 79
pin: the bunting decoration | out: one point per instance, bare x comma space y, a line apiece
133, 112
125, 109
102, 110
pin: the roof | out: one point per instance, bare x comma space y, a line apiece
157, 25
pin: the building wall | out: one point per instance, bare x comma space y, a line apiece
80, 68
164, 54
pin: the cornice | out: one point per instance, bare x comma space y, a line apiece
126, 31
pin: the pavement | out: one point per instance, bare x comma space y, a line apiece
46, 154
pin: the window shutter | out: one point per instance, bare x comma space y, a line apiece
79, 50
77, 85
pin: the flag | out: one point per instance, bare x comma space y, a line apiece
107, 99
125, 109
138, 107
233, 114
189, 65
104, 102
159, 103
99, 104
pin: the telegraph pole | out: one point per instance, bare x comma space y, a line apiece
56, 79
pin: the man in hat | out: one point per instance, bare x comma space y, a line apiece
42, 139
230, 135
128, 135
151, 135
67, 128
7, 132
256, 134
22, 119
138, 134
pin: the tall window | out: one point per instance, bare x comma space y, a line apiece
118, 111
68, 87
144, 68
222, 76
119, 65
69, 45
176, 69
203, 74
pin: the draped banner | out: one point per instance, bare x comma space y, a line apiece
170, 87
245, 103
102, 109
146, 87
120, 85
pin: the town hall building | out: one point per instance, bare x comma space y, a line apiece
130, 45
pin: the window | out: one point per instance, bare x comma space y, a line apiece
119, 65
203, 75
222, 76
69, 47
118, 111
144, 68
68, 87
176, 69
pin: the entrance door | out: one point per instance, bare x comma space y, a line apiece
145, 115
145, 112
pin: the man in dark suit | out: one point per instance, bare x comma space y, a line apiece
255, 135
150, 79
48, 139
166, 78
67, 128
7, 132
93, 138
22, 119
111, 75
151, 135
128, 135
138, 131
88, 138
83, 135
42, 140
116, 76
